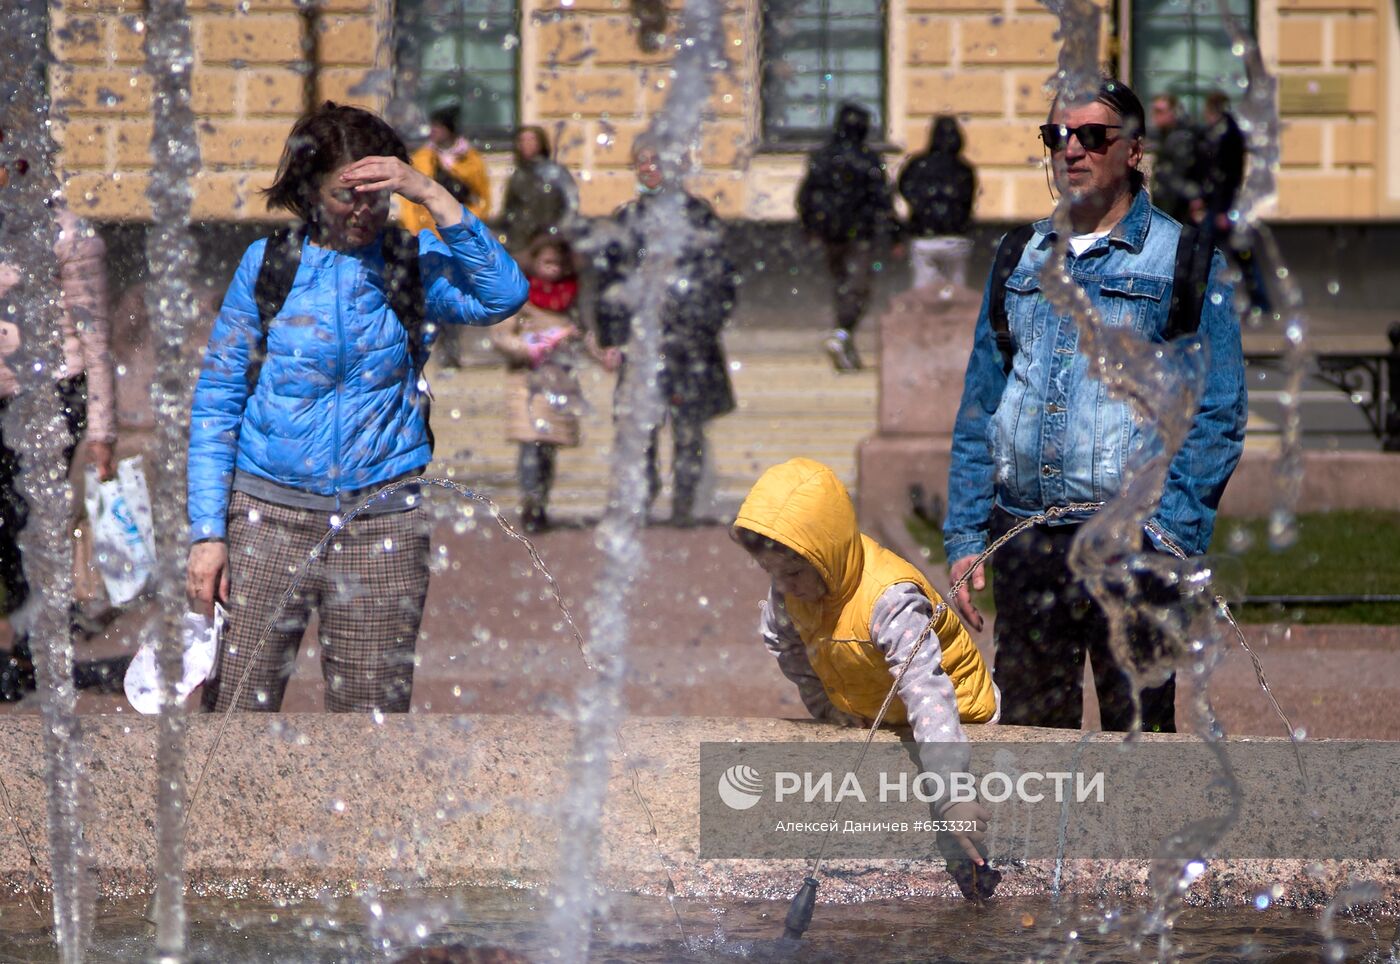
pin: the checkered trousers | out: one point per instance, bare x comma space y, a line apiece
367, 589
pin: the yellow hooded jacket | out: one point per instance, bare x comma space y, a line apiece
804, 506
470, 169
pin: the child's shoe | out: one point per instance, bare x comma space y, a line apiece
841, 348
533, 520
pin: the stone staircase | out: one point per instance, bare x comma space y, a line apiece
791, 403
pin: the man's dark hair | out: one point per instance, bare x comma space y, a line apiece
946, 136
1119, 98
447, 117
1217, 102
321, 141
539, 133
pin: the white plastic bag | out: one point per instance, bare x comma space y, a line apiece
200, 636
119, 511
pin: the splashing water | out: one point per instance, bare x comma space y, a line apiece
1357, 893
1258, 119
173, 312
1162, 388
666, 235
35, 420
539, 565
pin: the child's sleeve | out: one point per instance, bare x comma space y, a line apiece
901, 614
508, 341
787, 648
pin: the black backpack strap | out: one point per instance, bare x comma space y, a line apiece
1008, 256
1190, 278
404, 289
281, 258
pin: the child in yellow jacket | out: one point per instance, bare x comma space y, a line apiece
844, 615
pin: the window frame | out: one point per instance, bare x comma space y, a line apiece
1191, 101
776, 141
409, 76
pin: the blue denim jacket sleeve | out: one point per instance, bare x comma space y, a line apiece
1199, 471
972, 473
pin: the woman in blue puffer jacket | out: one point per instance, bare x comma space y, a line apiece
311, 397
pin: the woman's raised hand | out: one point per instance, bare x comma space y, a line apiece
392, 174
386, 174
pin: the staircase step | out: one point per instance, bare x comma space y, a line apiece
790, 402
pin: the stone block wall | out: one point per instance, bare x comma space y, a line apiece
247, 87
588, 83
583, 77
1331, 91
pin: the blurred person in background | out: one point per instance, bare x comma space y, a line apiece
544, 347
1174, 145
540, 196
1220, 171
845, 203
85, 387
694, 377
940, 186
450, 160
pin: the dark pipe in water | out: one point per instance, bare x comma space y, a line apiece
799, 915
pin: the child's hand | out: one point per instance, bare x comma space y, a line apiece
968, 841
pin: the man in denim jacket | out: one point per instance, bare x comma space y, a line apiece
1048, 435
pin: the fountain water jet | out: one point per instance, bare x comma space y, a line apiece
665, 231
34, 418
173, 308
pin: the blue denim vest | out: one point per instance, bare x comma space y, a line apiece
1049, 435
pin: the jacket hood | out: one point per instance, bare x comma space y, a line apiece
946, 138
852, 123
803, 505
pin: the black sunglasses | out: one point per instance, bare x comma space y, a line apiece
1092, 137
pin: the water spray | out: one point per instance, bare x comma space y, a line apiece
799, 916
538, 563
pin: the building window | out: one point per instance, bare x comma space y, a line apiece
1180, 47
463, 53
816, 54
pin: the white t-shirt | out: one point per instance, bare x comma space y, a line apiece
1079, 243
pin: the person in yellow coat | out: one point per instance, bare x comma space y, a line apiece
449, 159
843, 617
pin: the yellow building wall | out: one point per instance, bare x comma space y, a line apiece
1327, 54
584, 80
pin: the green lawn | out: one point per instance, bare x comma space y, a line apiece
1337, 553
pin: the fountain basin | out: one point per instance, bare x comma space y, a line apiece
322, 804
